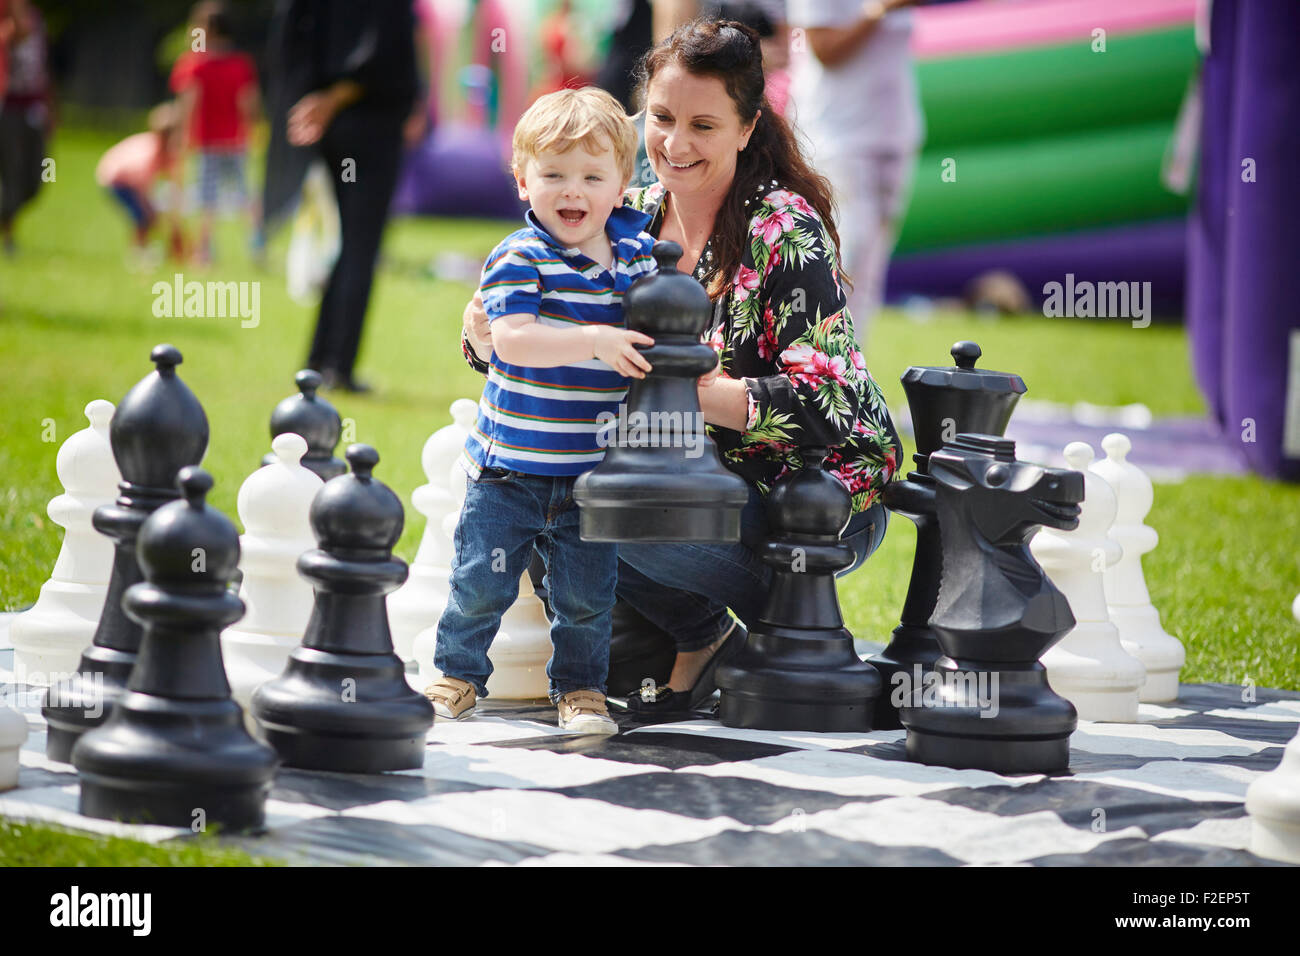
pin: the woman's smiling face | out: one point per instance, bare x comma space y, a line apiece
692, 132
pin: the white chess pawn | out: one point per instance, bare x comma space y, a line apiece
1127, 598
522, 646
273, 504
50, 636
1273, 802
13, 731
1088, 667
418, 603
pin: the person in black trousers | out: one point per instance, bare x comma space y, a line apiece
353, 66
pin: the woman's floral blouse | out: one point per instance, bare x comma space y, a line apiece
784, 328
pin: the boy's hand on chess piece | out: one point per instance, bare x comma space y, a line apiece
617, 349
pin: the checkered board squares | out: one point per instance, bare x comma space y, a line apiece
508, 788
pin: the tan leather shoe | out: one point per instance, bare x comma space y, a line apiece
584, 712
452, 698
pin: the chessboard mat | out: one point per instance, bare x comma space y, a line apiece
508, 787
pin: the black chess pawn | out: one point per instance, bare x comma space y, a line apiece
987, 703
158, 428
797, 669
316, 420
343, 702
943, 402
661, 478
174, 751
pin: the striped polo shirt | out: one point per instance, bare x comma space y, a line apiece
543, 421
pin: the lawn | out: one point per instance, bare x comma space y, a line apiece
75, 325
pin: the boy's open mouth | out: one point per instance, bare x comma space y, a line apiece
573, 216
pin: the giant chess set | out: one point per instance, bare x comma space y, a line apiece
1027, 708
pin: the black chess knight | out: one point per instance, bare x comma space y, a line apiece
158, 428
943, 402
987, 703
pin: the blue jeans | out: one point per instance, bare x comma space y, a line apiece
504, 514
685, 589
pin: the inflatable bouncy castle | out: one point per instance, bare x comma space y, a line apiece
1048, 125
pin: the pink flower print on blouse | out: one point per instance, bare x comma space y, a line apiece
807, 365
746, 282
770, 228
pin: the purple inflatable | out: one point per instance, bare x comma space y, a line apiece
1146, 252
1253, 197
458, 171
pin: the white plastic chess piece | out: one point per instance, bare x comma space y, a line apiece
13, 731
418, 603
1273, 802
522, 646
50, 636
1088, 667
1127, 598
273, 504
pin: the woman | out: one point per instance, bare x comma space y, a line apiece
755, 225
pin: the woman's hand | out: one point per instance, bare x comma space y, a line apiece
477, 328
709, 377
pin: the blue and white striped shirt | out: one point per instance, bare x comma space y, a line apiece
543, 421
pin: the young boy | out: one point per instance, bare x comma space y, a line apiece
553, 295
133, 168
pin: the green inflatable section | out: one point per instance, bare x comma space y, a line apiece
1008, 190
1045, 91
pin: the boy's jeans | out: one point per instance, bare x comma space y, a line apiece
504, 513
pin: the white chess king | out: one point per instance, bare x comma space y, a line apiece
50, 636
1088, 666
418, 603
522, 647
273, 504
1126, 589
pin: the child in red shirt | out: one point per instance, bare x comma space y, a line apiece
218, 90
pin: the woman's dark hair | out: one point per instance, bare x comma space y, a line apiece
730, 51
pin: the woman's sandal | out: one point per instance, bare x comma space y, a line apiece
667, 701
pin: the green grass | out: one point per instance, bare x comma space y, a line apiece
35, 844
75, 326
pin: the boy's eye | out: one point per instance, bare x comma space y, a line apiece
550, 175
594, 178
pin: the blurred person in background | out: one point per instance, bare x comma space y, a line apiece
217, 86
351, 73
853, 95
134, 169
26, 113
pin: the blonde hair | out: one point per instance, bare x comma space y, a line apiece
588, 117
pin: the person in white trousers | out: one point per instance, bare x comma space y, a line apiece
853, 95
